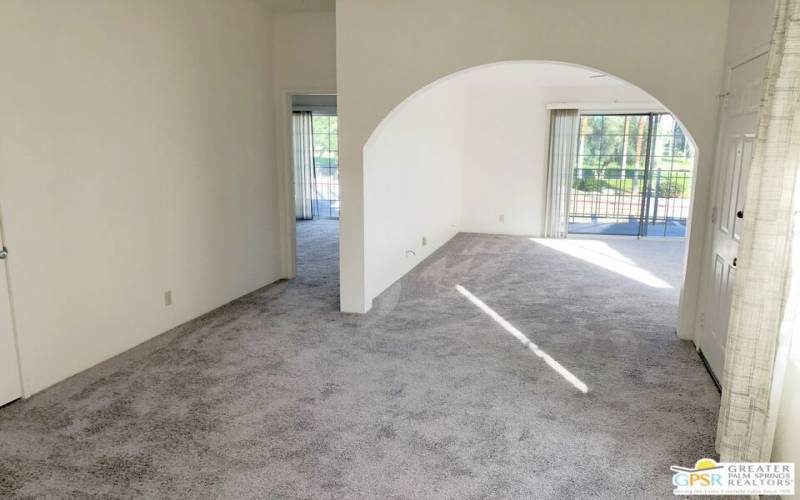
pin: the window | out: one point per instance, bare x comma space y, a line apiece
633, 176
325, 201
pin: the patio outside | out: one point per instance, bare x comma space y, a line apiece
633, 176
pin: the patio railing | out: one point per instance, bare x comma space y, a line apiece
615, 201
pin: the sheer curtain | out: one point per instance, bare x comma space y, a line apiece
561, 162
762, 305
303, 164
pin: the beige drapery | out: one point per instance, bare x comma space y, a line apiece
303, 164
760, 295
561, 163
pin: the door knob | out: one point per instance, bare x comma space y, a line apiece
735, 259
3, 253
740, 214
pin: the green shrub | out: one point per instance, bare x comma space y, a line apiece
671, 190
589, 185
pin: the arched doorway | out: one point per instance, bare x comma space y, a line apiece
468, 153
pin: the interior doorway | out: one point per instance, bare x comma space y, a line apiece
315, 140
315, 162
633, 176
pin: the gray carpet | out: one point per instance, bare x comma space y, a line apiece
279, 395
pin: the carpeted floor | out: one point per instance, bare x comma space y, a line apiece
430, 395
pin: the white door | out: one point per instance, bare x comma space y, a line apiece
738, 123
10, 386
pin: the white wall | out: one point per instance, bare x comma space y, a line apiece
505, 168
505, 159
412, 177
749, 29
786, 447
388, 50
135, 157
303, 60
304, 50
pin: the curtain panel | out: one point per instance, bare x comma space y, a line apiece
303, 164
746, 421
562, 156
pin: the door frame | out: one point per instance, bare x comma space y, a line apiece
285, 159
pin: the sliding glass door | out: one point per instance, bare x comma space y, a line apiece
325, 202
633, 176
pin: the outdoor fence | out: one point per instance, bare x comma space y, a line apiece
613, 196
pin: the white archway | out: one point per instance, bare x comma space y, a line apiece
425, 163
505, 64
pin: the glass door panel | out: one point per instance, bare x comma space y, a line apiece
633, 176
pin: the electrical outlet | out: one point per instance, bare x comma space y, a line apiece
501, 217
424, 240
168, 298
